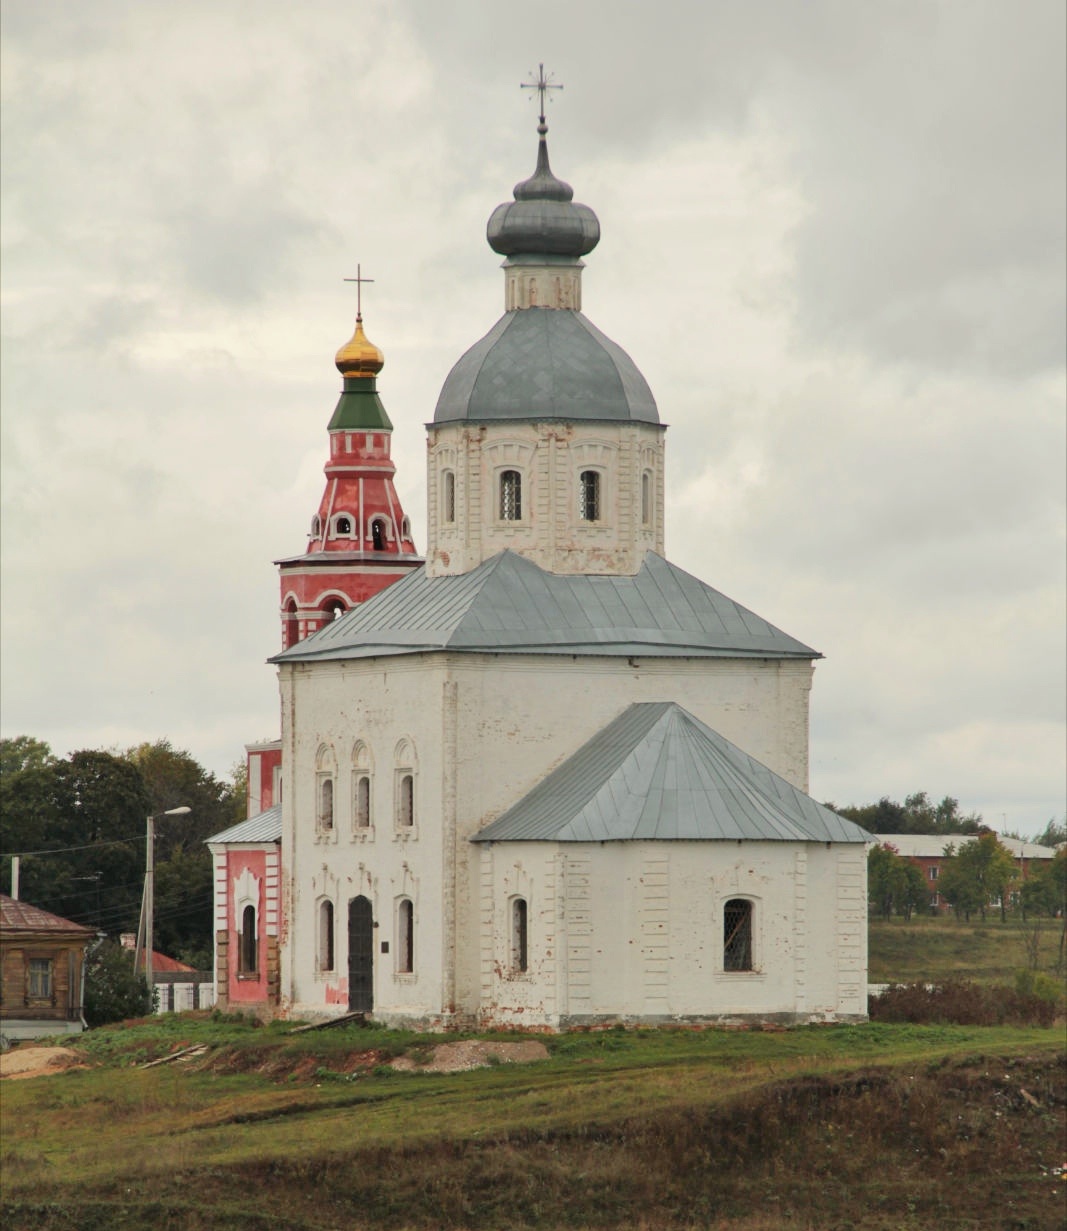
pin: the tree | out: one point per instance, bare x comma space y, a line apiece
113, 992
24, 752
979, 873
1054, 834
894, 883
916, 815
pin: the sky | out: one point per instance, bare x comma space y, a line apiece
832, 240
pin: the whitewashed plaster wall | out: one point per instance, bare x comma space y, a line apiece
549, 457
634, 931
485, 730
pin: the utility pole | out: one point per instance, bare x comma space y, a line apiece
148, 903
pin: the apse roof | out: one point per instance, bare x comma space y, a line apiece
656, 772
509, 604
263, 827
545, 363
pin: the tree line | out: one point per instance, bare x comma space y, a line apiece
78, 824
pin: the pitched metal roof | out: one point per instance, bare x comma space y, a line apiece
263, 827
932, 846
16, 915
508, 604
656, 772
545, 363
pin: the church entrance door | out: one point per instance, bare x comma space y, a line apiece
360, 956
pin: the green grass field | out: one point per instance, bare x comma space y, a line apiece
888, 1127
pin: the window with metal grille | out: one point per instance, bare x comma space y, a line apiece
326, 936
511, 496
405, 802
326, 802
40, 974
589, 495
363, 802
247, 954
519, 951
737, 935
405, 938
448, 497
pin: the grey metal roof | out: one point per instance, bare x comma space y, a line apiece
656, 772
263, 827
545, 363
508, 604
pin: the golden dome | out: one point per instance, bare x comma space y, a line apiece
358, 356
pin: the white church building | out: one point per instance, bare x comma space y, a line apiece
547, 778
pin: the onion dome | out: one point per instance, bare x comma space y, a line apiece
543, 220
359, 357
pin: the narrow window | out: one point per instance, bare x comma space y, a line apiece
326, 803
405, 529
448, 498
646, 498
377, 534
405, 939
511, 496
589, 495
316, 527
344, 525
737, 935
326, 936
40, 978
405, 803
519, 952
290, 625
363, 802
247, 961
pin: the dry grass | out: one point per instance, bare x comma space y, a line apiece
873, 1126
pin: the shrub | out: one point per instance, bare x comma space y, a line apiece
113, 992
1034, 983
961, 1003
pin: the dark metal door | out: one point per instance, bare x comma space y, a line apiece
360, 956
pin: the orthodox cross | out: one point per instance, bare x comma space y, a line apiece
541, 85
359, 280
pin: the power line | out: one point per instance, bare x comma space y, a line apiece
63, 850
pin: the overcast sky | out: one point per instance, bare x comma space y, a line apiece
833, 241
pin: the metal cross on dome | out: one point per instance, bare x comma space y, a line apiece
359, 280
541, 85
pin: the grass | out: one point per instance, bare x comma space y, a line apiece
678, 1128
881, 1126
934, 950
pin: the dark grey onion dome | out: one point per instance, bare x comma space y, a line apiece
545, 364
543, 220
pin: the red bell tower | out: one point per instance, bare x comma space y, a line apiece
360, 539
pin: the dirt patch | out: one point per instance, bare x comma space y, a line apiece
474, 1054
39, 1062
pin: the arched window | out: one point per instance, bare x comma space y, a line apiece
316, 527
405, 801
510, 496
333, 609
247, 964
405, 937
377, 534
405, 529
519, 948
290, 625
737, 935
326, 935
362, 817
325, 802
589, 495
448, 497
646, 498
344, 525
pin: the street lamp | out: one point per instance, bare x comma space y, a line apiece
148, 904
